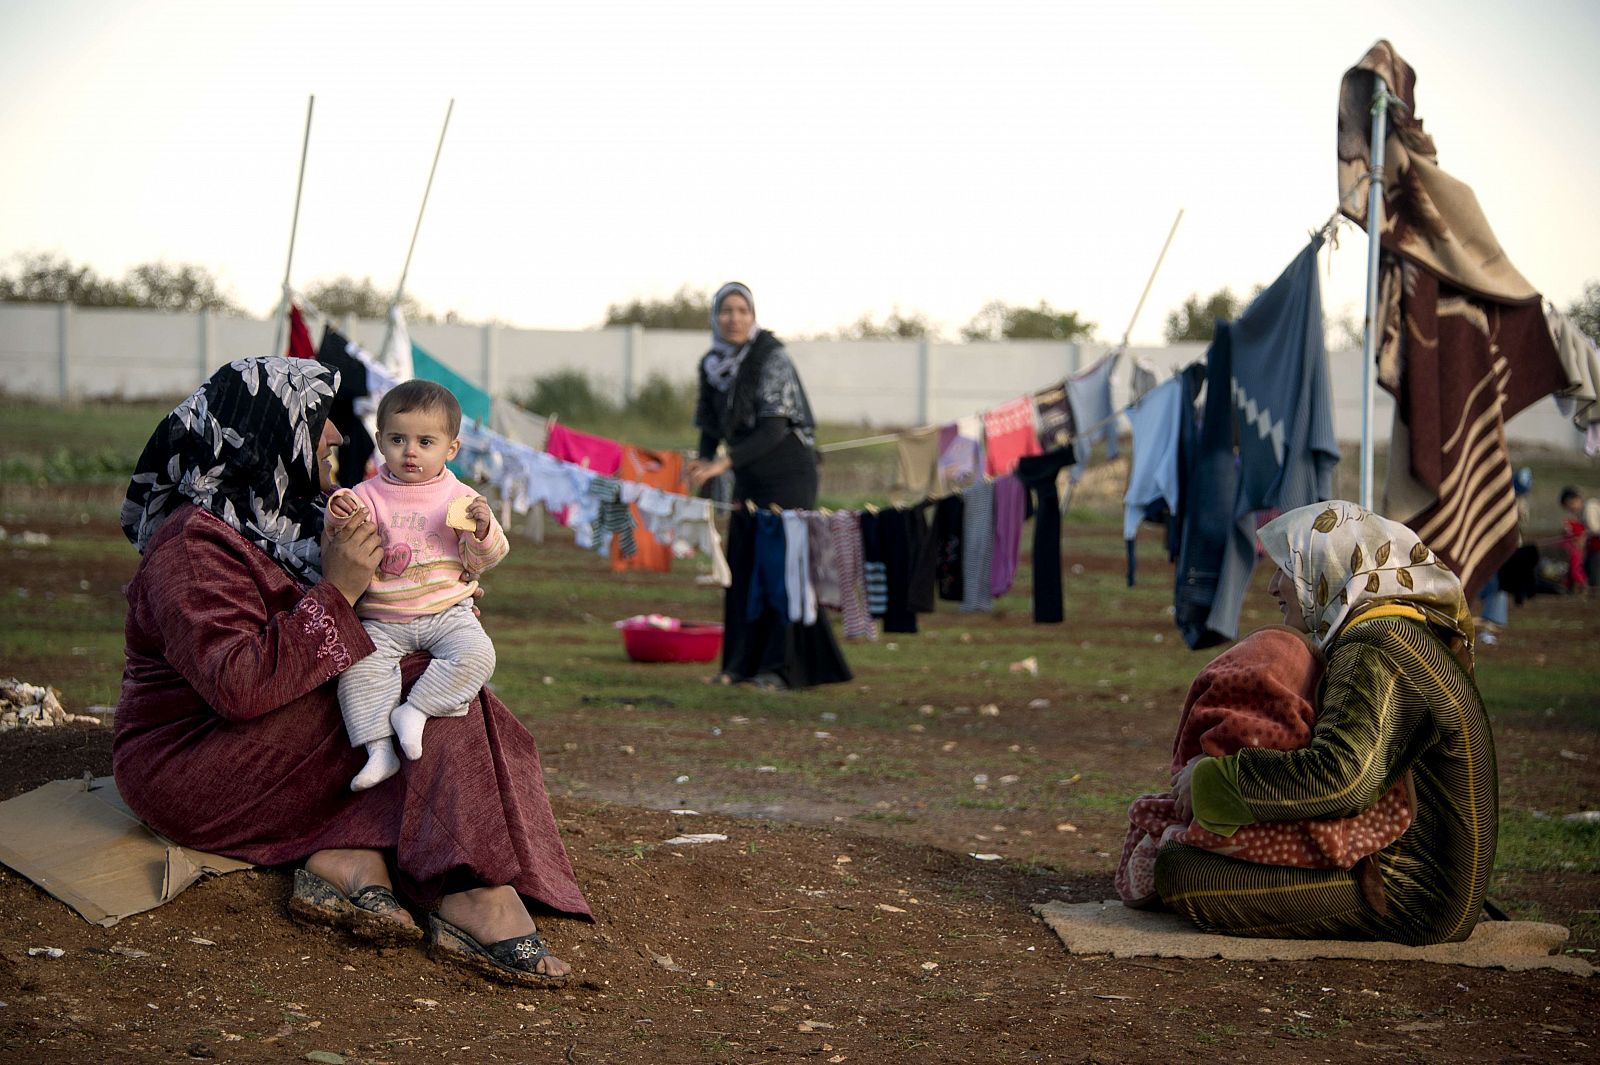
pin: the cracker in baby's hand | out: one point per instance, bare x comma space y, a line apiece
457, 518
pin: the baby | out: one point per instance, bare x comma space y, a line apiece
434, 529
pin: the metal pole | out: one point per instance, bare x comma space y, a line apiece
406, 270
294, 225
1369, 340
1152, 280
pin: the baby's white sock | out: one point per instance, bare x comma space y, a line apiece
408, 721
382, 763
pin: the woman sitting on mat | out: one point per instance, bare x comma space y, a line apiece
228, 732
1398, 696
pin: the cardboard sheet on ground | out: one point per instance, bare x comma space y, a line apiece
1112, 928
80, 842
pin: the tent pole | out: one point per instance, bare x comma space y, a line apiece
1151, 280
294, 225
405, 270
1369, 340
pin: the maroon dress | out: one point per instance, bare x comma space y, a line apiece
229, 738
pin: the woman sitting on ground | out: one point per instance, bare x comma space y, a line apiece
1398, 696
228, 732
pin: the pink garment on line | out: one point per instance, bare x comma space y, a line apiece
1009, 435
591, 452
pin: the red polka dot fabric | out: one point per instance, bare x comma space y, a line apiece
1259, 693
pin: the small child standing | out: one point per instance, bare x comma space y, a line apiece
1574, 539
435, 529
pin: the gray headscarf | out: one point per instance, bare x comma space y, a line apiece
723, 360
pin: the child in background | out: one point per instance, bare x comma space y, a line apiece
435, 531
1574, 539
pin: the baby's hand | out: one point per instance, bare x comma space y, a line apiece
345, 507
478, 511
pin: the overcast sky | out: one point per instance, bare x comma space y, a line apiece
840, 158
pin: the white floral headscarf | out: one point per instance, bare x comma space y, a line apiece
244, 447
1344, 559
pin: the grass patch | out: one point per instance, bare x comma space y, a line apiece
1532, 844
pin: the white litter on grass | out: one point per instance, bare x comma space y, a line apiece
695, 837
47, 952
987, 857
685, 813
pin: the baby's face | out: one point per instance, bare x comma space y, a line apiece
416, 444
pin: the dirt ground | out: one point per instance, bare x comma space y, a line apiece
843, 920
788, 941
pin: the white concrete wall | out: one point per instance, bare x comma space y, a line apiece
56, 351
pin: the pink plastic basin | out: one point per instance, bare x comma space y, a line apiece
691, 641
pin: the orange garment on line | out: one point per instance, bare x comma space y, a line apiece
658, 469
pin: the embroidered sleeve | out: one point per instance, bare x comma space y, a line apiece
218, 632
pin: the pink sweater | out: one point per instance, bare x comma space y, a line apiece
423, 558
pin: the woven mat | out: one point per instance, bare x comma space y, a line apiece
1112, 928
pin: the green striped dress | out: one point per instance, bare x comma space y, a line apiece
1393, 699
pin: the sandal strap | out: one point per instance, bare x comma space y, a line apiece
521, 952
375, 898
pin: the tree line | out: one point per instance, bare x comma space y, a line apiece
46, 278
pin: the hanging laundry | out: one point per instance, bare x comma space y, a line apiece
845, 525
299, 336
1142, 378
899, 546
1010, 504
917, 475
1038, 474
521, 426
824, 561
977, 547
797, 586
1212, 475
658, 469
948, 522
1090, 394
591, 452
615, 519
1053, 411
1580, 362
874, 571
357, 449
767, 588
961, 452
1156, 421
1476, 347
1192, 379
1009, 434
1281, 410
924, 592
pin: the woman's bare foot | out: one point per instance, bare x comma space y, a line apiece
352, 870
492, 914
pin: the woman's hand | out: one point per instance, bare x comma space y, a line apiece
699, 471
350, 556
1182, 789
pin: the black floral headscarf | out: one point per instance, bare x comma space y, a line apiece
244, 447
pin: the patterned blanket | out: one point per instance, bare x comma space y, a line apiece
1259, 693
1463, 344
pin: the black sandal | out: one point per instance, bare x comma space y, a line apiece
513, 961
366, 914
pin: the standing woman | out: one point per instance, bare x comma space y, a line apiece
751, 398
